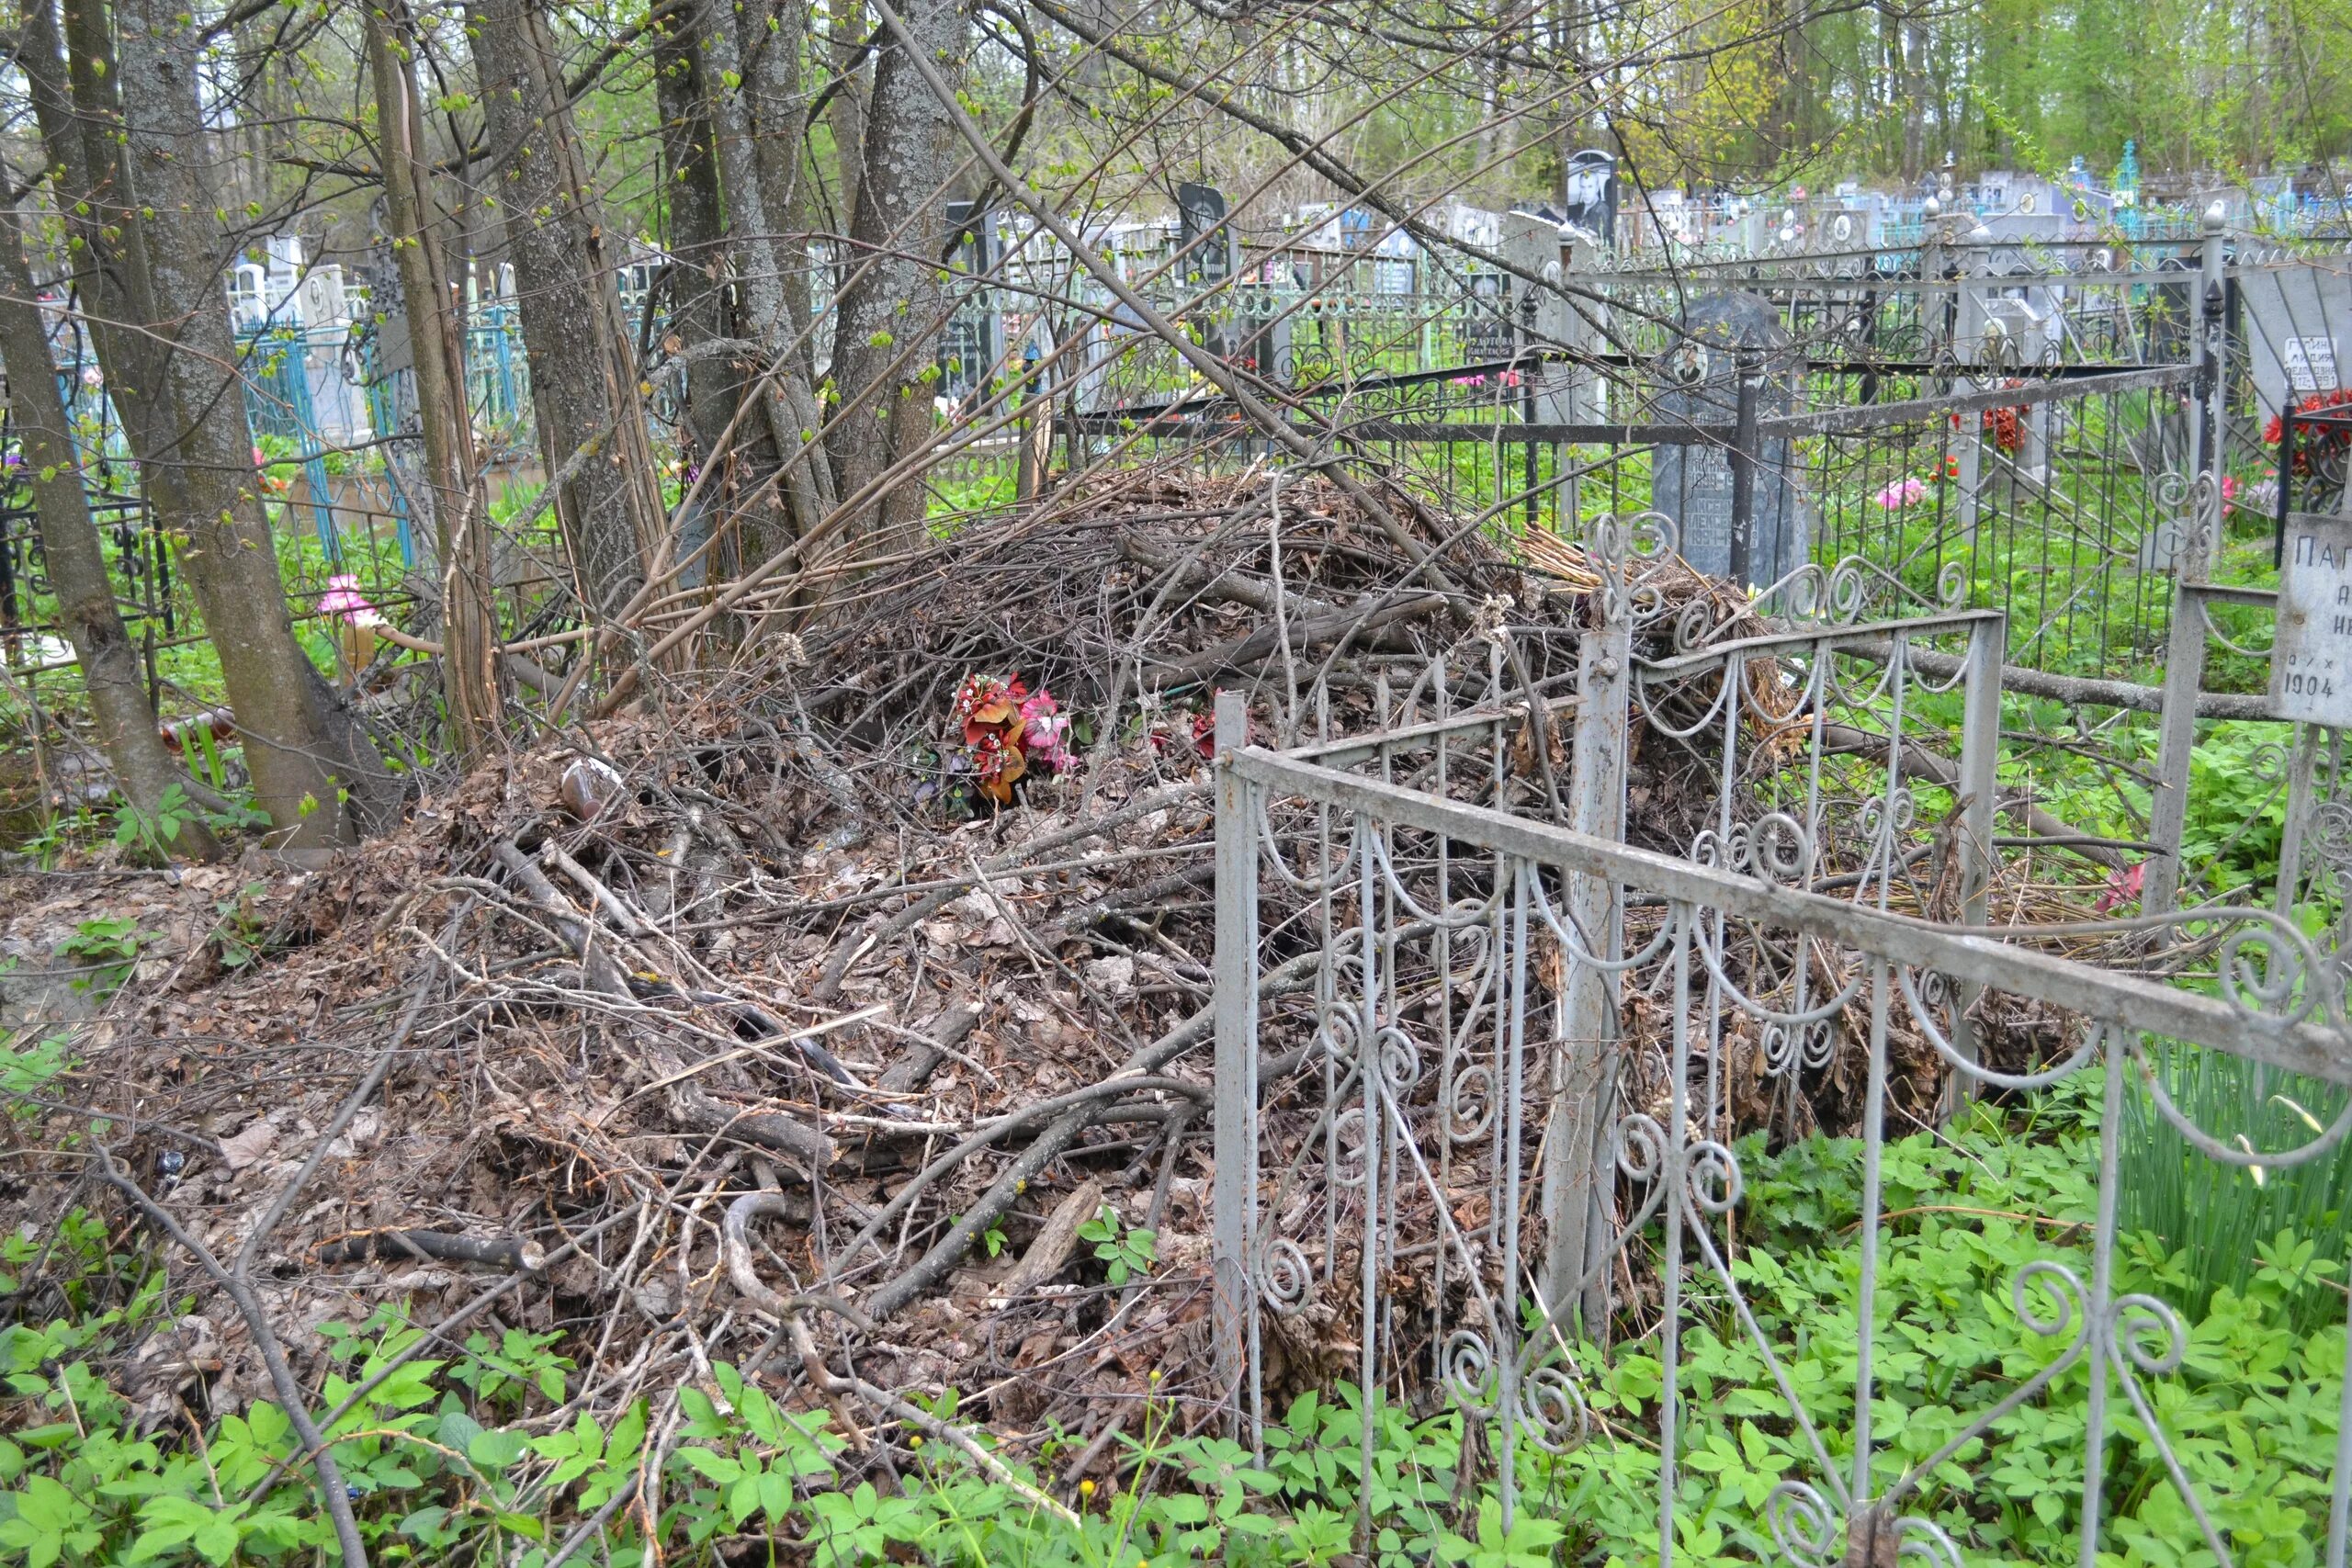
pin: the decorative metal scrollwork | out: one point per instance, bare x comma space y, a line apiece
1552, 1409
1285, 1276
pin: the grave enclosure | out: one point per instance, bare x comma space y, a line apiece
1455, 1135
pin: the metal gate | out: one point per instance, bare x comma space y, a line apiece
1432, 1123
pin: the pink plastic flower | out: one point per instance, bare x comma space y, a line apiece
1902, 493
1045, 732
343, 598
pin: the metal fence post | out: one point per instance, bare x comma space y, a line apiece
2185, 640
1578, 1159
1749, 373
1935, 298
1234, 1192
1980, 755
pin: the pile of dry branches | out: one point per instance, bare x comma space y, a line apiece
744, 1021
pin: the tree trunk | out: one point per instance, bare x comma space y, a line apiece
891, 301
77, 565
1915, 153
583, 372
695, 236
131, 143
453, 475
788, 401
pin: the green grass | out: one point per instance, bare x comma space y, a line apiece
2221, 1222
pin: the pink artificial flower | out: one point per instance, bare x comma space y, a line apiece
2229, 493
343, 598
1902, 493
1045, 732
2123, 887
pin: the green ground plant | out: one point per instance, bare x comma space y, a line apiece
454, 1456
102, 950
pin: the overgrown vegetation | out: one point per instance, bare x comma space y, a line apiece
492, 1450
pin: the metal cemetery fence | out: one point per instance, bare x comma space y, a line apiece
2029, 411
1437, 1137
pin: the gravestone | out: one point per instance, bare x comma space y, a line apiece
1589, 187
1489, 327
1261, 325
1694, 483
2310, 663
2297, 331
1562, 389
1204, 243
1203, 236
972, 341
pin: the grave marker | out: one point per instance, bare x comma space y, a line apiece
2297, 331
2310, 663
1695, 484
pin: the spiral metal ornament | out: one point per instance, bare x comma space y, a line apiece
1952, 585
1653, 536
1285, 1276
1641, 1147
1803, 1526
2265, 969
1470, 1368
1926, 1541
1850, 592
1712, 1174
1349, 1142
1708, 849
2172, 490
1470, 1103
1339, 1031
2329, 833
1609, 540
2147, 1333
2204, 498
1694, 627
2060, 1285
1780, 849
2267, 763
1400, 1060
1935, 991
1885, 818
1803, 592
1788, 1047
1552, 1409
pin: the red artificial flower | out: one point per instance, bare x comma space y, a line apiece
2124, 887
2324, 438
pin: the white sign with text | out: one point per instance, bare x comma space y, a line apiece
2311, 665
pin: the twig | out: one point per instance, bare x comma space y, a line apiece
333, 1491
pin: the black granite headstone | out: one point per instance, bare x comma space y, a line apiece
1694, 483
